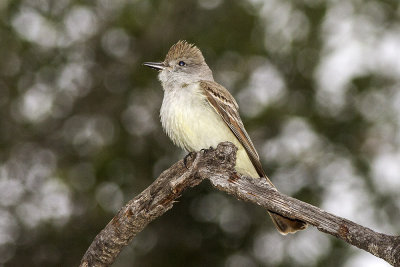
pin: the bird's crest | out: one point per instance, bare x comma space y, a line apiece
184, 50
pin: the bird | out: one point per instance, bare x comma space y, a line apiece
198, 113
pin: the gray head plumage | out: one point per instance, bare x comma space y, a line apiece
184, 64
182, 50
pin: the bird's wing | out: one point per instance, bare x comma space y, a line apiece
225, 105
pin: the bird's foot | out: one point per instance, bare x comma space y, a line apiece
188, 157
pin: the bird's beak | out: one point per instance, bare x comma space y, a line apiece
155, 65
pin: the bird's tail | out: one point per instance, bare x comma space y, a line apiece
283, 224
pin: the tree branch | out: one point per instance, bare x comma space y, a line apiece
217, 165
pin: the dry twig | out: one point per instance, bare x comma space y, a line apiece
217, 165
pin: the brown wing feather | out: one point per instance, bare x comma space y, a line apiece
226, 106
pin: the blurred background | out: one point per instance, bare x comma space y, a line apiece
318, 86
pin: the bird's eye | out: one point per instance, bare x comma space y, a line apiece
181, 63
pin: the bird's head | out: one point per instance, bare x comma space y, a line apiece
183, 64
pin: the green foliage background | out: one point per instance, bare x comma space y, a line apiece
318, 85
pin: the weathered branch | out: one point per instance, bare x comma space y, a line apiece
217, 165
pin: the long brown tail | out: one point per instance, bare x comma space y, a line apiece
283, 224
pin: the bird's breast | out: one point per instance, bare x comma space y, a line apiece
192, 124
190, 121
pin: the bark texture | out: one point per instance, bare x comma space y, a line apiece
217, 165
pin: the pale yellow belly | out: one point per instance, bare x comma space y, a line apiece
192, 123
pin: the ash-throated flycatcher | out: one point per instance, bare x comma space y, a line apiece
199, 113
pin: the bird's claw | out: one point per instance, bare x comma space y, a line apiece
205, 150
186, 158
